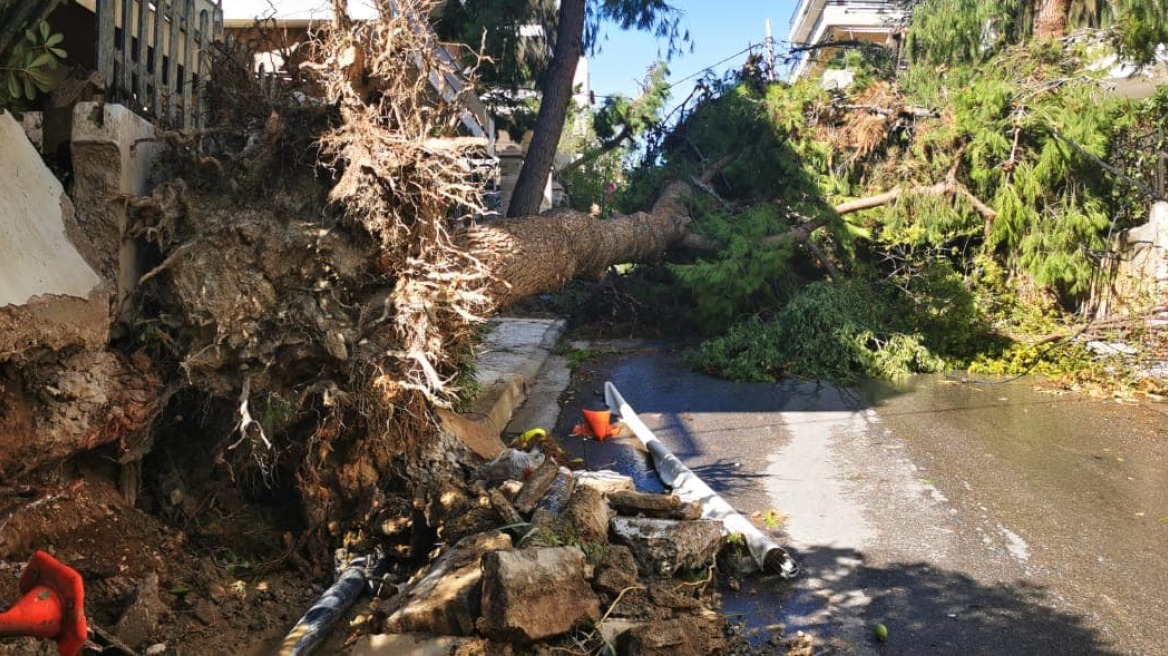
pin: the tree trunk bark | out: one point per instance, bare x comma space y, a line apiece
537, 254
1051, 19
553, 111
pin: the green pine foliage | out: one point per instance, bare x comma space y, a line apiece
1004, 215
1141, 26
742, 279
830, 331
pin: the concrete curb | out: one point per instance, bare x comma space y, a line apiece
509, 362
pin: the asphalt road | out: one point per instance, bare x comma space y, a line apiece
969, 519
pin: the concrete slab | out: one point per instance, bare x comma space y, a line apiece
114, 151
50, 297
38, 257
516, 347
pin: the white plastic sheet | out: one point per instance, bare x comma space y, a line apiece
769, 556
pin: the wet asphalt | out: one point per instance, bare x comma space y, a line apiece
967, 518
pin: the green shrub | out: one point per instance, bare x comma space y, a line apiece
840, 332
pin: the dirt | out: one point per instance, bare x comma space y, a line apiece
211, 600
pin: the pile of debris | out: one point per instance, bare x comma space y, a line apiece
578, 562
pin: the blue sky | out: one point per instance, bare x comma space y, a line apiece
719, 28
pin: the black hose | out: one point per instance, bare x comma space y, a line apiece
314, 626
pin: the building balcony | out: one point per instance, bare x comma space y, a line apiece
821, 21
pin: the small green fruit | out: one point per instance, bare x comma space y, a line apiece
881, 632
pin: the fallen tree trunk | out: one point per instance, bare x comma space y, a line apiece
536, 254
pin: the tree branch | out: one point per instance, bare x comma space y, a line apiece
911, 111
869, 202
1148, 191
589, 157
800, 233
950, 186
707, 176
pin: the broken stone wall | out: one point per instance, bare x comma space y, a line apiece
62, 390
50, 295
1141, 267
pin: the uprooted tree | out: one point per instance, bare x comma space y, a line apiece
320, 274
321, 269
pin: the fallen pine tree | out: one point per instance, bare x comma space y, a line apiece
321, 270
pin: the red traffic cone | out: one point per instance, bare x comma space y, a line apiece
598, 422
53, 605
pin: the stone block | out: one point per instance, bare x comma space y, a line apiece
659, 506
589, 514
532, 594
616, 571
661, 547
688, 635
605, 481
394, 644
140, 619
445, 601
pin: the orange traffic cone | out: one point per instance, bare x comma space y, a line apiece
53, 605
598, 419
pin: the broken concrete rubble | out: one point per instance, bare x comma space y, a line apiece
665, 546
536, 486
140, 619
558, 493
532, 594
657, 506
605, 481
616, 571
445, 601
692, 636
538, 591
589, 514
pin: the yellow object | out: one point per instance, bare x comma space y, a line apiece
529, 436
881, 632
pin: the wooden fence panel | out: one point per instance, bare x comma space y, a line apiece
154, 54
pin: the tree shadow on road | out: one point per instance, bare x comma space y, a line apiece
839, 598
728, 477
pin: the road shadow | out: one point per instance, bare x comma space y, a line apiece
728, 477
839, 598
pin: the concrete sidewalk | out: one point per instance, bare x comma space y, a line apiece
521, 380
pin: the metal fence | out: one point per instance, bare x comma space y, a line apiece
153, 56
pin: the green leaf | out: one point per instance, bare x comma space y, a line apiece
42, 60
42, 80
13, 86
29, 89
61, 54
31, 36
54, 39
45, 30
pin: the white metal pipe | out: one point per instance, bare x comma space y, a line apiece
769, 556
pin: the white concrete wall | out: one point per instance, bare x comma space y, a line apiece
114, 151
37, 258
